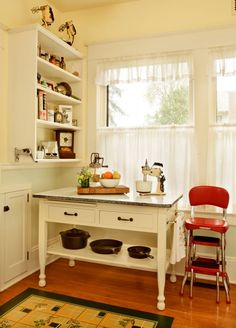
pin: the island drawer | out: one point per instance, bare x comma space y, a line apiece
77, 214
127, 221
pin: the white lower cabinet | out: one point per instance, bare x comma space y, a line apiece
14, 234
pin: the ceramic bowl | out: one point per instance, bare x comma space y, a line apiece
109, 183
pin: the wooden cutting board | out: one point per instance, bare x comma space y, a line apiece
102, 190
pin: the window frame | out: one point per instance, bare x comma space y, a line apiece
219, 53
200, 43
191, 114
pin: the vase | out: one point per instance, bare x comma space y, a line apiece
85, 183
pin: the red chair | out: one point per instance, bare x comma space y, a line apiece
217, 197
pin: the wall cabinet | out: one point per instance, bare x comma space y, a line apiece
37, 84
14, 234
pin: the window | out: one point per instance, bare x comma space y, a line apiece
222, 136
200, 149
148, 103
224, 71
148, 116
226, 99
148, 91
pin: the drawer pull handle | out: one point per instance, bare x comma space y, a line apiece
6, 208
71, 214
122, 219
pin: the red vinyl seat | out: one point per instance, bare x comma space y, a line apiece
217, 197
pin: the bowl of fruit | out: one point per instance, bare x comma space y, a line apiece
110, 179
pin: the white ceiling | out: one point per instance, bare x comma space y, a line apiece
70, 5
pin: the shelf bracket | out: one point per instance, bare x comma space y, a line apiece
24, 152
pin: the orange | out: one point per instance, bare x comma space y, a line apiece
107, 175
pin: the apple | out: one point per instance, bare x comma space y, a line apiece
116, 175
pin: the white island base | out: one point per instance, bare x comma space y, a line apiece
121, 214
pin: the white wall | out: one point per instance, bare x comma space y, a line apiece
148, 18
3, 92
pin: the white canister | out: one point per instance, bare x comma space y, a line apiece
40, 154
143, 186
51, 115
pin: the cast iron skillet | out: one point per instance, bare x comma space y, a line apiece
106, 246
140, 252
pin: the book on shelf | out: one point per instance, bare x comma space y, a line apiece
42, 105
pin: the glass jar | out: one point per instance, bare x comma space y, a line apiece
84, 183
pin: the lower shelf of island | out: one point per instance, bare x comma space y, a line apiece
122, 259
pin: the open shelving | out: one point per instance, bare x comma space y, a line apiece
25, 62
121, 259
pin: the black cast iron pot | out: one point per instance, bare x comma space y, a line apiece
74, 238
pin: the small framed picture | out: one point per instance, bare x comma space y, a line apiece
58, 117
66, 111
50, 149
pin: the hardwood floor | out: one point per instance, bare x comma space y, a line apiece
133, 289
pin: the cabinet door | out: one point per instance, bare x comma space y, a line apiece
15, 234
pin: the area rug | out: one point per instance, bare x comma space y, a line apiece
37, 308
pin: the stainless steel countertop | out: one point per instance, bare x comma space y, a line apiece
69, 194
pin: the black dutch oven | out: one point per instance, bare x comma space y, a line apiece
140, 252
74, 238
106, 246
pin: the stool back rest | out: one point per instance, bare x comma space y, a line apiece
209, 195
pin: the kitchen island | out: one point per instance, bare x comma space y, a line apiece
121, 213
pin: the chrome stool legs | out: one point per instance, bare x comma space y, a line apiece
220, 271
226, 285
217, 287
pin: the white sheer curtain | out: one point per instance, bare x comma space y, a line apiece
126, 149
223, 61
152, 68
222, 139
222, 157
